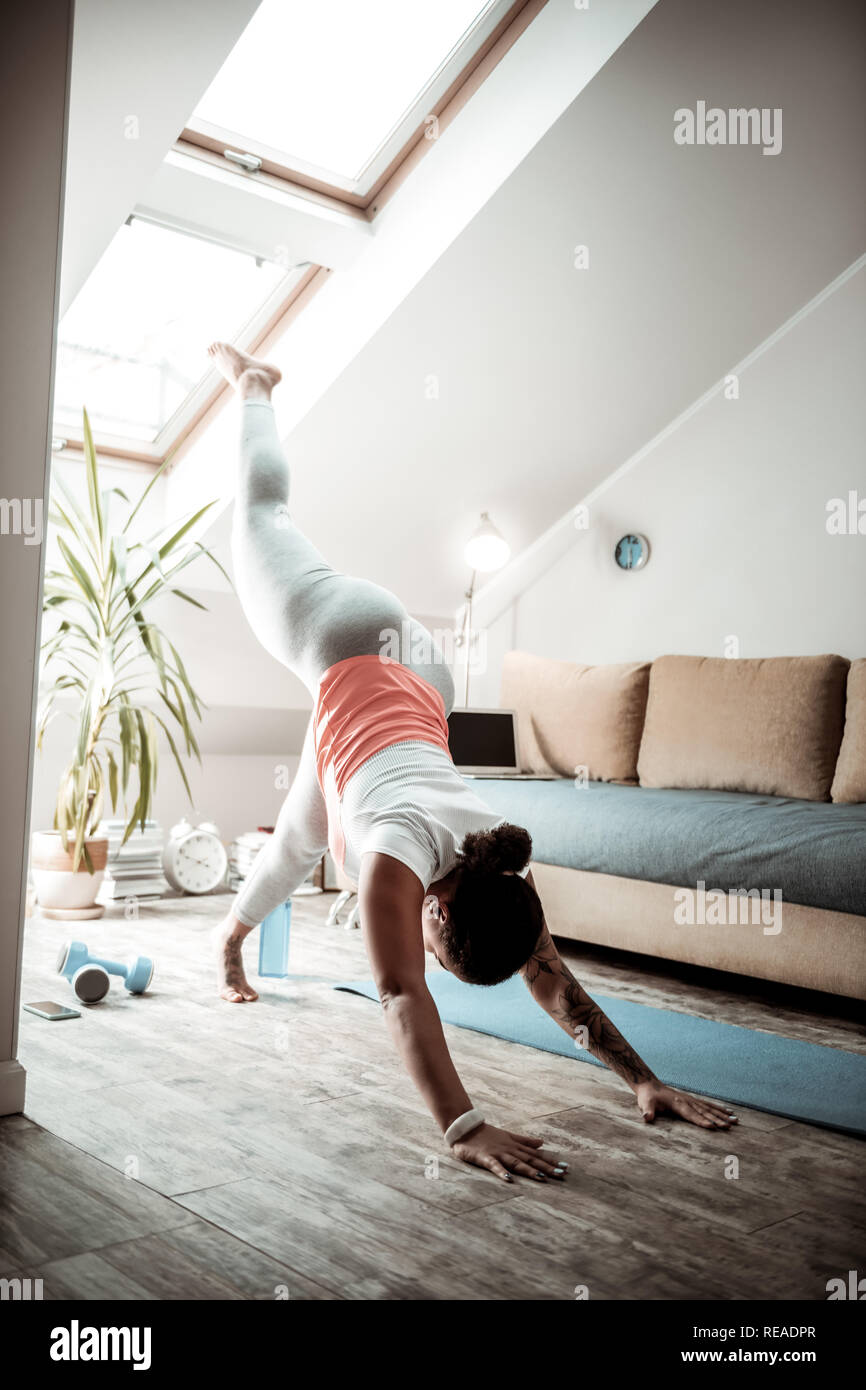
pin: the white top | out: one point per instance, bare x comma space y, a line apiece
409, 801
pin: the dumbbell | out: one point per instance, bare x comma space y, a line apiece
89, 974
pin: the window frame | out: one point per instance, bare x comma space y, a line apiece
407, 143
275, 314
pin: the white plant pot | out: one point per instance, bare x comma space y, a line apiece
60, 889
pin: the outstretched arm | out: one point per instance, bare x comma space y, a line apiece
555, 988
390, 897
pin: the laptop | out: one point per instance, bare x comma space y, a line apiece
483, 743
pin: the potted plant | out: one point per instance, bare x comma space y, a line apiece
127, 678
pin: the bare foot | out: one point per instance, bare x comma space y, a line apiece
251, 378
232, 982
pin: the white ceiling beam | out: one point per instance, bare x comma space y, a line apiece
254, 214
138, 71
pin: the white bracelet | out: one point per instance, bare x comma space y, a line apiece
463, 1125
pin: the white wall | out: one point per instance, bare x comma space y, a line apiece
33, 108
512, 382
238, 791
734, 505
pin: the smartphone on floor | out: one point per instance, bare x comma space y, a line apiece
46, 1008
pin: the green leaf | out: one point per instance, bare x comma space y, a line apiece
96, 784
182, 673
155, 560
179, 717
144, 769
81, 812
61, 820
194, 601
112, 778
93, 482
137, 604
85, 717
86, 676
84, 532
168, 546
173, 746
152, 747
133, 820
158, 474
81, 576
214, 561
127, 745
119, 554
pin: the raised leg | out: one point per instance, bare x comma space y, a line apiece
303, 611
284, 583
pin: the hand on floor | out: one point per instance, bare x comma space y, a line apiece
653, 1098
499, 1150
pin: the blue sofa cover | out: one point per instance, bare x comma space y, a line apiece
813, 851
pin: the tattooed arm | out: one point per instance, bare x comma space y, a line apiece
553, 986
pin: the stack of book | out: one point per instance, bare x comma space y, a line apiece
135, 869
243, 853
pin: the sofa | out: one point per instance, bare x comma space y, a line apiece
704, 810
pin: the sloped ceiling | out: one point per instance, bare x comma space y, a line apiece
513, 382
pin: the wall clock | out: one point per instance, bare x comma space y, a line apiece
194, 859
632, 552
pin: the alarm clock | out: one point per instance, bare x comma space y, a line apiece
632, 552
194, 859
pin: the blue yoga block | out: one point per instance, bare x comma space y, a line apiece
274, 943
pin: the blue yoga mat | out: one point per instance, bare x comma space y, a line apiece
800, 1080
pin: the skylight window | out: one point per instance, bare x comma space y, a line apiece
329, 87
132, 346
331, 96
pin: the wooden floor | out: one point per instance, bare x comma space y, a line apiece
176, 1147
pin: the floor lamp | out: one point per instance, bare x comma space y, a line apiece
485, 551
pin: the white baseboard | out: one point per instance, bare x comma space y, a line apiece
13, 1082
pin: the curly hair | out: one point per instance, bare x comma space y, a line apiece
496, 917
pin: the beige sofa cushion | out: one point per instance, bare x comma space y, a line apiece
769, 725
571, 717
849, 783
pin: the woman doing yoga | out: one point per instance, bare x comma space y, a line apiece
436, 869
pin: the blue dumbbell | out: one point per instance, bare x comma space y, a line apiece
89, 974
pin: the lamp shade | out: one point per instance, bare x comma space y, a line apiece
487, 549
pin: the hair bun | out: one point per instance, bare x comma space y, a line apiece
500, 850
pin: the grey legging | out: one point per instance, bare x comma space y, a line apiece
308, 616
